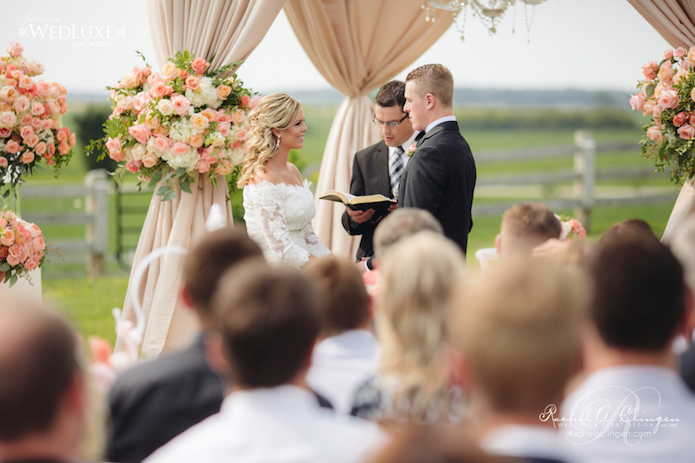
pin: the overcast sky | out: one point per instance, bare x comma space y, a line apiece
591, 44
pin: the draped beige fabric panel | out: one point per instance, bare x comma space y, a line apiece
230, 30
675, 21
357, 45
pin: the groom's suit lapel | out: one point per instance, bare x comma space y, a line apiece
449, 125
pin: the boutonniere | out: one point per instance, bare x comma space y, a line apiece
411, 149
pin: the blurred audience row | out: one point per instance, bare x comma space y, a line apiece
561, 351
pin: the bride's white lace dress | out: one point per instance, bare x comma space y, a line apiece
278, 217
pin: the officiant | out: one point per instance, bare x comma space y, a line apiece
377, 169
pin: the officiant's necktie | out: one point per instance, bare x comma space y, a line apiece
396, 167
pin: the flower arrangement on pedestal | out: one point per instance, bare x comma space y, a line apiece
31, 129
164, 127
21, 247
571, 228
668, 96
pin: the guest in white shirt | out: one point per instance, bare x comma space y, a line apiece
268, 322
348, 355
517, 332
633, 406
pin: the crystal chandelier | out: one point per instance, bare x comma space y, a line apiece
490, 12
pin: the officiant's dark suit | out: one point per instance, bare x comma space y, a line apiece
377, 169
440, 177
370, 175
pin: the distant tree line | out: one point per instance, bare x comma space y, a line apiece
544, 118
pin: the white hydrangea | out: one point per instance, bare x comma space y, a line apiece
214, 139
205, 96
236, 156
188, 161
181, 130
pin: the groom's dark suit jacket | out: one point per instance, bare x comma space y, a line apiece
370, 176
440, 178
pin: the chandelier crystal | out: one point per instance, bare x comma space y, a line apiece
490, 12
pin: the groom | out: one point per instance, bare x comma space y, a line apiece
440, 177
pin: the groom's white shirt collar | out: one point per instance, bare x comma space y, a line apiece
440, 121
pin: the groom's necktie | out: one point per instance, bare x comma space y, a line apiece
396, 167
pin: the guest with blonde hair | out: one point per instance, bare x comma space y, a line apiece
418, 274
278, 203
517, 329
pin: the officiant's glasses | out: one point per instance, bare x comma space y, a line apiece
390, 123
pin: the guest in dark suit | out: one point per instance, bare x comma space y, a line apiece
441, 175
157, 400
378, 168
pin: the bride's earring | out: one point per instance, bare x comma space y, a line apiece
277, 144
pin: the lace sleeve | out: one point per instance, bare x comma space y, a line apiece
313, 243
271, 214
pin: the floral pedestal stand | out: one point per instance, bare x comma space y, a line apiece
28, 289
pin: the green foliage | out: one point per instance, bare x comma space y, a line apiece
90, 123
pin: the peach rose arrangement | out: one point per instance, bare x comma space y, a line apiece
668, 96
31, 129
167, 126
21, 247
571, 228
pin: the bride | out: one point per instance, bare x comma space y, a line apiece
279, 205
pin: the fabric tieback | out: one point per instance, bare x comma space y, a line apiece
396, 167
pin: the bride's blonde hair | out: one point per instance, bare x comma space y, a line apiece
274, 111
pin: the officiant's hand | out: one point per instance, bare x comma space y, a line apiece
393, 207
360, 216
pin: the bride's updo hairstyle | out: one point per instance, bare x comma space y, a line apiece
274, 111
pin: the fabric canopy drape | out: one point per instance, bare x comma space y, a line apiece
357, 46
675, 21
230, 30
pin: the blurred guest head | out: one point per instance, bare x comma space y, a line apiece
208, 261
402, 223
518, 330
525, 226
419, 274
628, 228
269, 321
43, 397
639, 303
344, 303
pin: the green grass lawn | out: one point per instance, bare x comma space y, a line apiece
89, 303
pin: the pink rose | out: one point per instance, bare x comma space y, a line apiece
668, 54
245, 100
40, 148
150, 159
5, 132
13, 259
637, 101
199, 65
113, 144
224, 128
666, 72
238, 117
140, 132
199, 122
223, 91
21, 104
32, 263
8, 94
254, 101
654, 134
3, 162
242, 135
192, 82
686, 131
8, 119
63, 134
25, 83
162, 143
160, 89
668, 99
26, 132
181, 105
680, 118
7, 237
43, 89
38, 243
141, 100
649, 70
179, 149
72, 140
656, 113
223, 117
13, 147
37, 109
32, 141
196, 140
648, 108
63, 148
117, 156
679, 53
28, 157
133, 166
15, 49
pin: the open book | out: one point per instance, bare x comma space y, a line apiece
378, 202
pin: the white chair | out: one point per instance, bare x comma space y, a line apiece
486, 255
